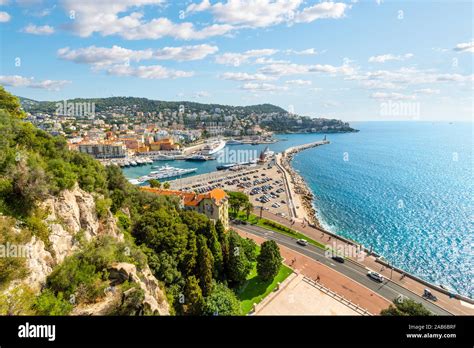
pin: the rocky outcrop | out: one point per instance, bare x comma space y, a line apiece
155, 300
72, 216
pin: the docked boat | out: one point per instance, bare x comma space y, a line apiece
164, 158
213, 147
163, 172
199, 158
226, 166
234, 142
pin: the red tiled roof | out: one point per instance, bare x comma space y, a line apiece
190, 198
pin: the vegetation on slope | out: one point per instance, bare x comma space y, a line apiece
199, 264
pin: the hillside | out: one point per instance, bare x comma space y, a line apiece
148, 105
79, 239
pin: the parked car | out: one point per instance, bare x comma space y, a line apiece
375, 276
302, 242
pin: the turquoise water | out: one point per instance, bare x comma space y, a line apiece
403, 188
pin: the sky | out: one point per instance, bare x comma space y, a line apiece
352, 60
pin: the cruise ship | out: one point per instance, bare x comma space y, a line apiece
163, 172
213, 147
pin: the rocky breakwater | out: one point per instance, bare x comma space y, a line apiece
298, 184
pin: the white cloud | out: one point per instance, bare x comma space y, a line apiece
202, 94
409, 76
427, 91
465, 47
388, 57
265, 13
263, 87
320, 11
393, 96
297, 69
237, 59
38, 30
21, 81
4, 17
148, 72
248, 13
307, 52
239, 76
104, 56
299, 82
185, 53
104, 17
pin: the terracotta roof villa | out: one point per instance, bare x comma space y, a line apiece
214, 204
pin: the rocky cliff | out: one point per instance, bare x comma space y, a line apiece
70, 216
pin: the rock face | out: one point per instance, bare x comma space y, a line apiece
155, 300
72, 213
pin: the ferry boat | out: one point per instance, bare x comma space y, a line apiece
212, 148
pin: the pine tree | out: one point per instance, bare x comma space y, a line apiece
193, 299
269, 260
205, 266
238, 266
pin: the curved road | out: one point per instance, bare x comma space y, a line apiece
355, 271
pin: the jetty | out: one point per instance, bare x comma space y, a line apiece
300, 196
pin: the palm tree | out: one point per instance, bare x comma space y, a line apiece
248, 207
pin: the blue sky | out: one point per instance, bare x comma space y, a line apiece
342, 59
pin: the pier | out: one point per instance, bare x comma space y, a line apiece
299, 195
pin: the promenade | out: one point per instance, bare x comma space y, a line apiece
452, 305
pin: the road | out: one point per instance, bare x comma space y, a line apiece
356, 272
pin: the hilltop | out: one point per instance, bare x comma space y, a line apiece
233, 120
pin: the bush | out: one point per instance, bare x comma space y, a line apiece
222, 301
49, 304
102, 206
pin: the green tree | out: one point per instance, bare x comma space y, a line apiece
11, 104
250, 249
154, 183
205, 266
248, 208
407, 307
269, 260
166, 185
238, 266
193, 299
222, 301
236, 201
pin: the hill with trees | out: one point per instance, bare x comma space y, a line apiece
123, 244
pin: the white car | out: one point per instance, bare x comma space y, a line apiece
375, 276
302, 242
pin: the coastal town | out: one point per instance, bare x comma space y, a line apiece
280, 200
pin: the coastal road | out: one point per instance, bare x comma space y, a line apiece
356, 272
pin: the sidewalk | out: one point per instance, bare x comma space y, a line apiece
329, 278
455, 306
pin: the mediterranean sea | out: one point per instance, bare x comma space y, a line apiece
404, 189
